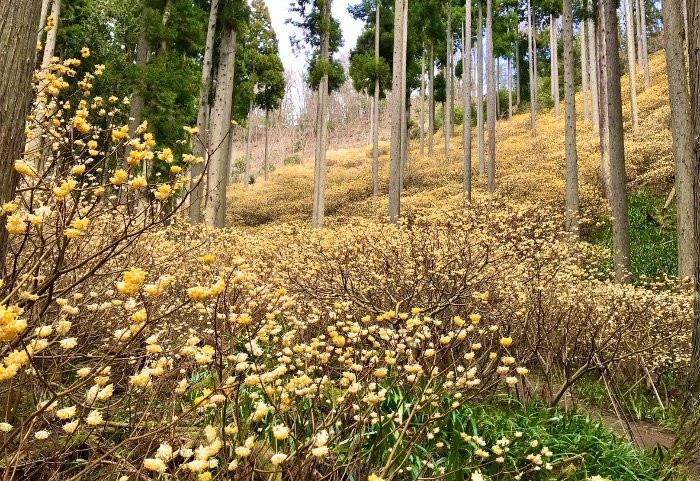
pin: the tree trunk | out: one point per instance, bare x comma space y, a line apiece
215, 211
631, 55
45, 4
510, 91
319, 200
267, 156
18, 21
681, 129
685, 29
517, 70
572, 205
246, 178
638, 24
480, 91
396, 103
584, 71
431, 99
553, 47
491, 93
645, 47
143, 50
35, 144
375, 125
200, 148
405, 100
422, 106
446, 129
611, 102
467, 103
531, 55
593, 72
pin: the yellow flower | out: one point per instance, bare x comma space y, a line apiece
506, 341
154, 464
137, 182
85, 52
374, 477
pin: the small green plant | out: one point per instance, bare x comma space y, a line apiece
292, 160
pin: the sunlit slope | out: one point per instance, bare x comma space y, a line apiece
527, 168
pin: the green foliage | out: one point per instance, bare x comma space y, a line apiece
653, 236
292, 160
239, 165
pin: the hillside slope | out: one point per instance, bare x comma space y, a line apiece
527, 169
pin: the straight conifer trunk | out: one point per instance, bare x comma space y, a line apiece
405, 100
645, 47
554, 64
200, 148
267, 157
517, 70
611, 106
510, 91
531, 62
431, 100
447, 108
631, 55
319, 199
593, 71
571, 154
467, 102
584, 70
491, 91
18, 21
246, 179
396, 114
681, 130
375, 123
480, 92
422, 105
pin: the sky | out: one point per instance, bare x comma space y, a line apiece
279, 13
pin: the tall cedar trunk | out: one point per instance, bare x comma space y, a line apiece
572, 205
267, 155
396, 102
446, 129
319, 199
584, 70
405, 99
531, 62
593, 71
34, 144
18, 21
45, 4
246, 178
200, 148
554, 64
143, 50
421, 132
517, 70
467, 103
612, 102
510, 90
220, 121
480, 91
631, 55
638, 24
645, 47
686, 446
375, 124
491, 101
686, 28
681, 129
431, 99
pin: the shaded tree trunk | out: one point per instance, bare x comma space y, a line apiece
215, 210
571, 154
510, 91
554, 64
645, 47
531, 55
431, 99
491, 101
517, 70
611, 129
319, 199
480, 92
422, 105
267, 156
681, 129
467, 103
246, 178
375, 124
446, 128
584, 70
143, 50
18, 21
396, 103
631, 55
405, 99
593, 71
200, 148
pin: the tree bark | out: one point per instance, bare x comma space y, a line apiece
143, 50
681, 129
480, 92
631, 55
593, 72
531, 55
267, 157
246, 178
422, 106
584, 71
431, 99
517, 70
45, 4
467, 103
572, 203
18, 21
201, 144
611, 101
396, 103
405, 100
375, 125
510, 91
554, 61
215, 211
645, 47
491, 101
447, 114
319, 199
